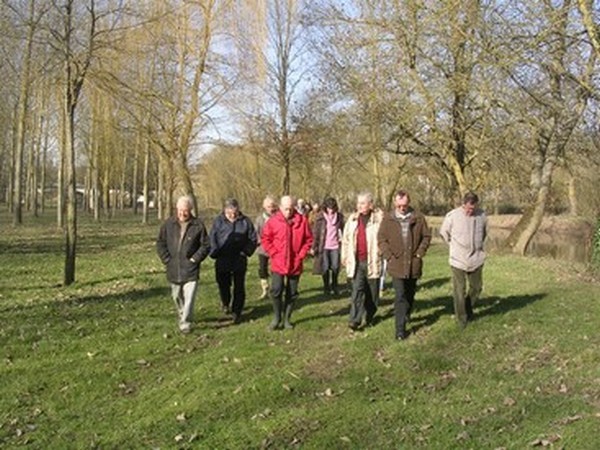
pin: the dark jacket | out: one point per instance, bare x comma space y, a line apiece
287, 242
319, 235
232, 242
182, 257
404, 258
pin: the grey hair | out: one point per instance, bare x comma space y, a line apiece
231, 203
185, 200
366, 195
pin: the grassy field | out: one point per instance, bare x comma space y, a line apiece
101, 364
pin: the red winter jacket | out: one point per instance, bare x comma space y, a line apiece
287, 242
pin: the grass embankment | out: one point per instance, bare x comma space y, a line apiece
100, 364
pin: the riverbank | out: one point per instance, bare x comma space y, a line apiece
562, 224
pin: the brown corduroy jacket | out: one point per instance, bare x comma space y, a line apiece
404, 258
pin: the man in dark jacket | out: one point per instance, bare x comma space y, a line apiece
232, 240
403, 239
182, 245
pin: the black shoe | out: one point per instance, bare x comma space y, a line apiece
370, 321
402, 336
353, 326
237, 318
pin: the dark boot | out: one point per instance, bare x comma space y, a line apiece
326, 286
288, 314
276, 322
334, 284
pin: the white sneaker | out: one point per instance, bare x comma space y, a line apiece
185, 327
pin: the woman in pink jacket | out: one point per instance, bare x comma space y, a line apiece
287, 240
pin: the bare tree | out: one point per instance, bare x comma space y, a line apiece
552, 83
76, 39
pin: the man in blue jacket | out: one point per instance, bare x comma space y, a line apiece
232, 240
182, 245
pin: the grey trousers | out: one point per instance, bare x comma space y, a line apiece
184, 296
466, 298
365, 296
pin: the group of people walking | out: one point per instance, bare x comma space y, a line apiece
285, 235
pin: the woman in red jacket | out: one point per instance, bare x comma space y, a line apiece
287, 240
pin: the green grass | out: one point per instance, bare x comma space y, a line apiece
100, 364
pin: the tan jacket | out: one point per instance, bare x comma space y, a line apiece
349, 245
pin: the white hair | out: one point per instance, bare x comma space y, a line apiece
366, 195
185, 201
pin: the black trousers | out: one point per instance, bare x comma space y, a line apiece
225, 278
405, 289
263, 267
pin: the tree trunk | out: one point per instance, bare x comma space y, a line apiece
43, 171
60, 188
134, 183
146, 181
71, 222
22, 118
573, 206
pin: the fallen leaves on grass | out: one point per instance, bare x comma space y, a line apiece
509, 401
382, 358
462, 436
569, 420
545, 442
262, 415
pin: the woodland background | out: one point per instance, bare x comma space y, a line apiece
110, 105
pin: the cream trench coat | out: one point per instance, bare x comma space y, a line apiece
349, 245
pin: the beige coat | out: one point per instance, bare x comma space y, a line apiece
349, 245
465, 236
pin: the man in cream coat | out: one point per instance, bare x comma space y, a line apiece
360, 257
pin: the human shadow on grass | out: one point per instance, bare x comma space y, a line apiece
249, 314
487, 306
434, 283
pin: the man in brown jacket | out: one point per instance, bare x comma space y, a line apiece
403, 240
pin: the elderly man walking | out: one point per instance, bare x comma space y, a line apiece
404, 238
182, 245
360, 257
464, 229
287, 240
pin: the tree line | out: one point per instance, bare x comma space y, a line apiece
106, 102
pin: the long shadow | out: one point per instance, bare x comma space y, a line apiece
338, 313
487, 306
436, 282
